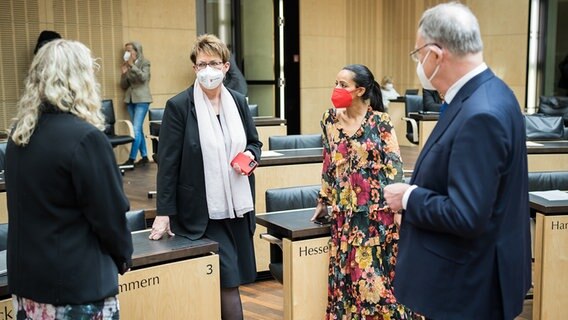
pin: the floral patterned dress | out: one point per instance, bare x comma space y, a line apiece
363, 234
27, 309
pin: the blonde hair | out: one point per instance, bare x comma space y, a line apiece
210, 45
62, 74
386, 79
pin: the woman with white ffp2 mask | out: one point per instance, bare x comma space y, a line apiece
200, 192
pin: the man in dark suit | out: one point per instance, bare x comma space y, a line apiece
464, 250
431, 100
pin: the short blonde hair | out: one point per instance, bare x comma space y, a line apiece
386, 79
62, 74
210, 45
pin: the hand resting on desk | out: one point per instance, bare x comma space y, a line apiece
321, 211
160, 227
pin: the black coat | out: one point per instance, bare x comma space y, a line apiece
181, 180
431, 100
67, 237
563, 66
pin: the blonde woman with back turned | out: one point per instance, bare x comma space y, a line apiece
68, 238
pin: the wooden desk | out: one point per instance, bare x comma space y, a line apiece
426, 124
269, 126
305, 247
295, 167
266, 127
551, 258
547, 155
170, 279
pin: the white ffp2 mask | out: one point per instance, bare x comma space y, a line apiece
210, 78
424, 80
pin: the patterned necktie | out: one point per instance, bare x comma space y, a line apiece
443, 108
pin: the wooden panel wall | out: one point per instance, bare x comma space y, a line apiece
165, 28
323, 51
19, 28
504, 29
97, 24
380, 34
333, 33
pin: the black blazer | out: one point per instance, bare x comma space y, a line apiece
67, 237
431, 100
181, 181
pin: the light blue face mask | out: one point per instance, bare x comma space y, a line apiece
424, 80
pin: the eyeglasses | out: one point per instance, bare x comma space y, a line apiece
414, 53
212, 64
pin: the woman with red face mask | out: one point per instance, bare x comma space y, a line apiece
361, 156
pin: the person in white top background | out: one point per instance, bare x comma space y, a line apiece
388, 91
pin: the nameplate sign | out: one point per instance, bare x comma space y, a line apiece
305, 251
551, 263
306, 265
7, 310
189, 288
559, 225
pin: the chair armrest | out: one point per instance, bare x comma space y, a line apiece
128, 125
153, 137
414, 125
271, 239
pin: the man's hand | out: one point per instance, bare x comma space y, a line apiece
393, 195
160, 227
398, 219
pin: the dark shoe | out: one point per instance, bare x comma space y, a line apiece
129, 162
142, 162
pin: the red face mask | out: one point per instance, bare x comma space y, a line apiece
341, 98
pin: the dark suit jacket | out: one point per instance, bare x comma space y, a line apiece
181, 182
464, 250
234, 79
431, 100
68, 236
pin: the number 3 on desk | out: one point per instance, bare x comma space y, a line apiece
209, 269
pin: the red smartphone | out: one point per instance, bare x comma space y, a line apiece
247, 164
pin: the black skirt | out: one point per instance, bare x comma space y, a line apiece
236, 250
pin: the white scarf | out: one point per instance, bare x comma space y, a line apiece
228, 192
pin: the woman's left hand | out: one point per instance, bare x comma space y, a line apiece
249, 154
236, 166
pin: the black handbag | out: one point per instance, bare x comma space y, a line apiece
543, 127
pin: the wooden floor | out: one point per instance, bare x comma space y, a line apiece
262, 300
